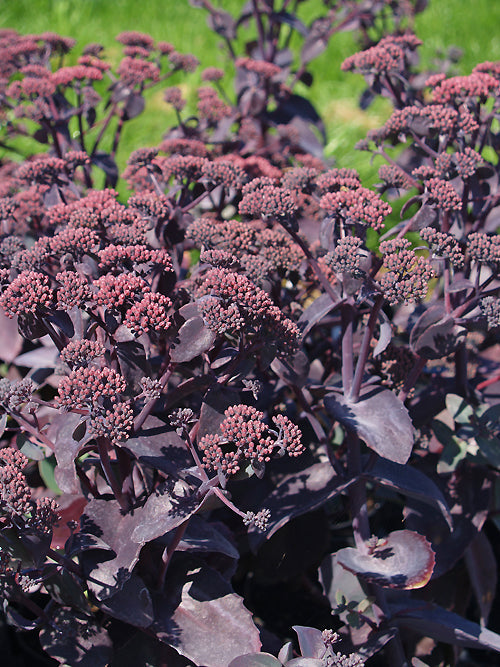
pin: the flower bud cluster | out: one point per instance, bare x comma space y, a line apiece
443, 245
244, 435
407, 273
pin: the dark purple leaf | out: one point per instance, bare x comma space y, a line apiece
310, 641
443, 625
297, 494
134, 106
286, 652
44, 356
203, 619
222, 23
193, 338
255, 660
410, 482
168, 507
133, 362
41, 135
66, 448
294, 106
105, 162
315, 312
402, 560
379, 418
103, 519
292, 370
215, 402
132, 604
30, 327
459, 285
482, 568
11, 341
62, 321
203, 536
291, 20
468, 494
435, 334
385, 334
252, 101
52, 197
317, 40
82, 643
158, 446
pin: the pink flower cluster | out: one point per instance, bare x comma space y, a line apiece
407, 273
244, 435
359, 206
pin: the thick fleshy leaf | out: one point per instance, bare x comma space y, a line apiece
435, 334
44, 356
379, 418
203, 536
443, 625
402, 560
297, 494
193, 338
410, 482
310, 641
61, 432
104, 520
132, 604
315, 312
166, 509
483, 572
158, 446
468, 493
133, 106
202, 618
385, 334
293, 370
82, 644
255, 660
305, 662
317, 40
215, 402
105, 162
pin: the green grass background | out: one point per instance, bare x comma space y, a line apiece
472, 26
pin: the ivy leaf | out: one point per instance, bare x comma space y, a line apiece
403, 560
379, 418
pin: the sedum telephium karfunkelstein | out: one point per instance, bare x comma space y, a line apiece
223, 392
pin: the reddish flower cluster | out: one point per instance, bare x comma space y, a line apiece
14, 394
184, 167
443, 245
346, 257
173, 96
483, 248
384, 58
44, 170
303, 179
443, 194
134, 72
80, 353
221, 319
29, 292
254, 305
15, 494
116, 291
394, 177
407, 273
263, 68
134, 38
335, 179
490, 309
84, 386
149, 314
183, 61
270, 202
115, 423
211, 107
123, 256
225, 173
244, 431
359, 206
420, 120
65, 76
74, 290
184, 146
467, 162
459, 89
212, 74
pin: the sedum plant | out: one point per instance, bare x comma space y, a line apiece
245, 397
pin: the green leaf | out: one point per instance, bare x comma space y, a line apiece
46, 469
